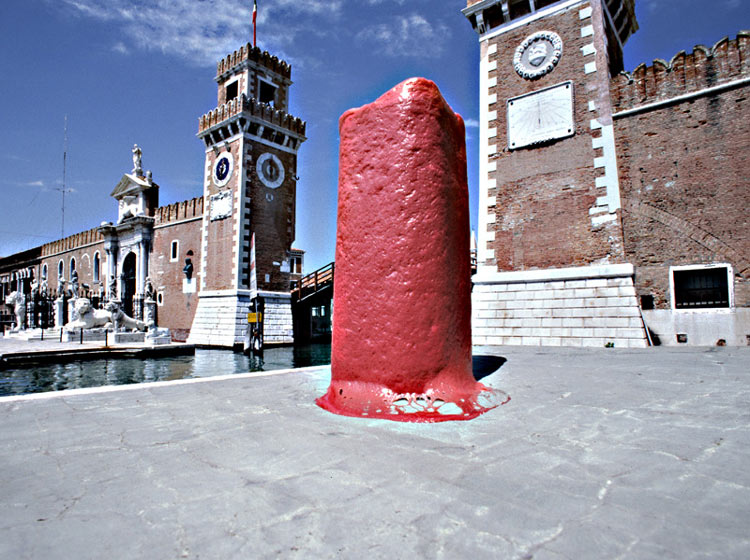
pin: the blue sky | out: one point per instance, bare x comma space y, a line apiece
137, 71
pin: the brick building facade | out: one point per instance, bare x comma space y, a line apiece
198, 255
613, 206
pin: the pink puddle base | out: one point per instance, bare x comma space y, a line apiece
402, 296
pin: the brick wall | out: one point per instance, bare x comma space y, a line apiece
218, 245
683, 166
179, 222
82, 247
273, 221
544, 195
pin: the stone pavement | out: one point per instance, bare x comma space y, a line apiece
601, 453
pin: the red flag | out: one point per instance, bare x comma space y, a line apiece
255, 16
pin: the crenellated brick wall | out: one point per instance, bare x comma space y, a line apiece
243, 104
726, 61
249, 53
683, 142
179, 211
72, 242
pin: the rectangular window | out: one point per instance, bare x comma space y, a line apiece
706, 287
174, 251
266, 92
232, 90
519, 8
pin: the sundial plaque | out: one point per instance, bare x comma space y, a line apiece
540, 116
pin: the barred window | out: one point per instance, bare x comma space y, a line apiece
701, 287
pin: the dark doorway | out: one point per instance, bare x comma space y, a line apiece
128, 283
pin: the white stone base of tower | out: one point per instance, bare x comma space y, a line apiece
221, 318
581, 306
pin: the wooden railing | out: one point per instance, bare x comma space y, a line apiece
314, 282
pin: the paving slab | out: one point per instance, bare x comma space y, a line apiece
601, 453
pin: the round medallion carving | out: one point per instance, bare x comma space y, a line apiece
538, 54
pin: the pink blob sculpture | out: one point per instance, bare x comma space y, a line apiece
402, 309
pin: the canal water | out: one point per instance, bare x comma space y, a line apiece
205, 363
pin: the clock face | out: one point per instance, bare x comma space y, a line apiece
541, 116
223, 169
270, 170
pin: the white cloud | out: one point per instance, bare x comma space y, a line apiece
732, 4
411, 35
34, 184
471, 123
203, 31
120, 47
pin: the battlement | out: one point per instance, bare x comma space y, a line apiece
727, 61
179, 211
71, 242
255, 108
253, 54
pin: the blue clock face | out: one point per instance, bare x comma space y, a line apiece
223, 169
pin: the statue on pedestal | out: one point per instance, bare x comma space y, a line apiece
74, 283
17, 300
86, 317
137, 154
61, 287
113, 288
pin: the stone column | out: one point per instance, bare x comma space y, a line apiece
141, 273
59, 312
111, 270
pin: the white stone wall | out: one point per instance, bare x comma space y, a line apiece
590, 306
221, 319
701, 327
277, 323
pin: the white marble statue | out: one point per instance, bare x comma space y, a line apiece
137, 154
18, 301
89, 318
122, 321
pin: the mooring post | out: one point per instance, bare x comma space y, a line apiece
81, 335
393, 356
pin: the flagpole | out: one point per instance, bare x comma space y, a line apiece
255, 16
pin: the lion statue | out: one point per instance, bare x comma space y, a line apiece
17, 300
121, 320
87, 317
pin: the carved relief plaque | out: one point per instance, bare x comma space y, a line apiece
540, 116
538, 54
221, 205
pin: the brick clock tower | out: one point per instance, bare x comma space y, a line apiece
249, 192
551, 264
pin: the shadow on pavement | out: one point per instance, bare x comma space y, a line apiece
482, 366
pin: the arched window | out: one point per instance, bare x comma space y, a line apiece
97, 266
72, 265
60, 270
44, 271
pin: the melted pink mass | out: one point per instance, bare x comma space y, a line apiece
402, 310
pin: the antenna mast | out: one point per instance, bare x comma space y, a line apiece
63, 190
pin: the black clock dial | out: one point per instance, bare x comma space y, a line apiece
222, 169
270, 170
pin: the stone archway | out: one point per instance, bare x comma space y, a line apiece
128, 283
